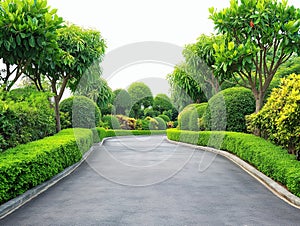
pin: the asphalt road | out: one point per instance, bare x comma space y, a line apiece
148, 181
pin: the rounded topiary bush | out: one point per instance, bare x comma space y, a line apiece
165, 118
189, 117
161, 123
111, 122
83, 112
228, 108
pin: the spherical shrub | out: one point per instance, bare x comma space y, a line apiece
111, 122
161, 123
228, 108
153, 124
189, 117
165, 118
83, 112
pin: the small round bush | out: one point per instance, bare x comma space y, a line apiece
153, 124
189, 117
228, 108
83, 112
165, 118
161, 123
111, 122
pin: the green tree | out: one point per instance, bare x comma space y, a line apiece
259, 36
200, 58
28, 31
141, 98
122, 101
184, 88
162, 103
94, 87
78, 49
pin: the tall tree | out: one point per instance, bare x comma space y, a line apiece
259, 36
78, 49
28, 29
200, 58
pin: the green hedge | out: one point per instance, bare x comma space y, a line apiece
268, 158
28, 165
112, 133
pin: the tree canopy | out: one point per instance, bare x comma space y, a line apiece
259, 35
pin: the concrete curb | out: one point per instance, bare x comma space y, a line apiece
14, 204
270, 184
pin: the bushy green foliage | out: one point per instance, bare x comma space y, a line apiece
279, 119
112, 133
150, 112
122, 101
111, 122
162, 103
266, 157
153, 124
28, 165
126, 123
83, 112
161, 123
188, 118
227, 110
26, 115
165, 118
141, 96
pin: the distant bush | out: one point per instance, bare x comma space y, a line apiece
83, 112
279, 119
150, 112
126, 122
165, 118
111, 122
189, 117
228, 108
161, 123
26, 115
153, 124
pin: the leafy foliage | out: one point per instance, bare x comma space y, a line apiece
83, 112
189, 117
26, 115
227, 110
279, 119
165, 118
28, 31
141, 97
161, 123
111, 122
122, 101
266, 157
258, 37
126, 122
26, 166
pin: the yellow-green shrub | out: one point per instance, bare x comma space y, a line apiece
279, 119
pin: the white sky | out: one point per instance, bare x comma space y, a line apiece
121, 23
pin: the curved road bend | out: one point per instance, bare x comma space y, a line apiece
148, 181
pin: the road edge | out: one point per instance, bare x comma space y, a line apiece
269, 183
14, 204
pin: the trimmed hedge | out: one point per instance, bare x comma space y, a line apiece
28, 165
268, 158
112, 133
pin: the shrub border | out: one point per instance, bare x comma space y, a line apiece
269, 183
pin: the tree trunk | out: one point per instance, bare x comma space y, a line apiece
259, 101
57, 114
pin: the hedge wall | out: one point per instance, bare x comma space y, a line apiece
28, 165
268, 158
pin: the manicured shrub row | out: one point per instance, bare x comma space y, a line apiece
268, 158
102, 133
28, 165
